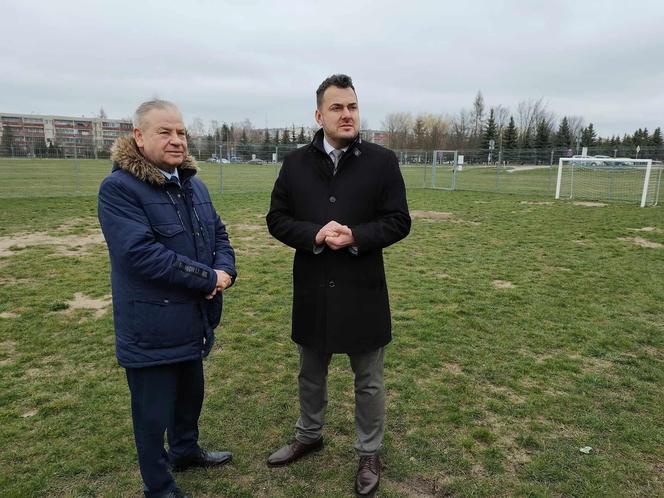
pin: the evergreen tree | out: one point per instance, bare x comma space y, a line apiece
656, 138
225, 133
266, 137
588, 136
490, 132
542, 140
285, 137
243, 138
564, 135
419, 133
277, 140
301, 138
510, 136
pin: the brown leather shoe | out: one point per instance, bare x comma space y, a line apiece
368, 475
293, 451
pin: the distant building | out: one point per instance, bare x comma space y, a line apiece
71, 136
376, 136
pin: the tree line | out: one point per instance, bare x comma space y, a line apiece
531, 126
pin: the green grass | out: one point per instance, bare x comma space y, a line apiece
60, 177
490, 391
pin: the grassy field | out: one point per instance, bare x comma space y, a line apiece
524, 330
59, 177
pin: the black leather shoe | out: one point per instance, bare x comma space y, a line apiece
202, 458
293, 451
368, 476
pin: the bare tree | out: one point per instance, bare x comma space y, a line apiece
398, 126
461, 127
576, 125
477, 115
529, 113
196, 127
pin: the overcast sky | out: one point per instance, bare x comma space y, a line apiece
262, 60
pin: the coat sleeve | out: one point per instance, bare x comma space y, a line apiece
281, 223
392, 221
130, 238
224, 255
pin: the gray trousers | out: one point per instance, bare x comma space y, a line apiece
369, 398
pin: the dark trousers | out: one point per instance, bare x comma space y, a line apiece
165, 398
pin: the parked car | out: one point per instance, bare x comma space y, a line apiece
256, 161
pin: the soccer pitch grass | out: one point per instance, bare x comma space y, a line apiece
60, 177
524, 330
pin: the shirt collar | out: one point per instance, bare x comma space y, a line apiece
329, 148
170, 175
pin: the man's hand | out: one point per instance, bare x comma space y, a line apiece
342, 237
331, 229
223, 282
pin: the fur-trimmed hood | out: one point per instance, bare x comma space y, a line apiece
126, 155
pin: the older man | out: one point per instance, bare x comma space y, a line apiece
339, 202
170, 261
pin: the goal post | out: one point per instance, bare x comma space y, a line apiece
610, 179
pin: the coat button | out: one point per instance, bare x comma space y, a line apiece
331, 284
333, 199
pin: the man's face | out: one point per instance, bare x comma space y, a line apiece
162, 139
339, 115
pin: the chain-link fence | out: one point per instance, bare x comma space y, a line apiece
254, 167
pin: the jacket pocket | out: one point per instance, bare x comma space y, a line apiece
163, 324
168, 229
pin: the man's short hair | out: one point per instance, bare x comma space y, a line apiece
338, 80
145, 107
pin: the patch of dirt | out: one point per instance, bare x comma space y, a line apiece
29, 413
452, 368
9, 314
432, 215
644, 229
8, 347
640, 241
537, 203
589, 204
418, 487
503, 284
66, 245
246, 227
83, 302
440, 216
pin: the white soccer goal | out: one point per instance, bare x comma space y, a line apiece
610, 179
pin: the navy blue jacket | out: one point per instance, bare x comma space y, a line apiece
164, 243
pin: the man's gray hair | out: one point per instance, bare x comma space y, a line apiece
148, 106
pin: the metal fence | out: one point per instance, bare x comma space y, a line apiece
254, 167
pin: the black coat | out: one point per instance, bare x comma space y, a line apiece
340, 300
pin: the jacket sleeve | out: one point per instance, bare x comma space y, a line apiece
131, 240
392, 222
224, 255
281, 223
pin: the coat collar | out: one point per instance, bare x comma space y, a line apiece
317, 143
126, 155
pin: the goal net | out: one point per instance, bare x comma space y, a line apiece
609, 179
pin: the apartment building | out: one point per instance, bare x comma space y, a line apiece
31, 134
